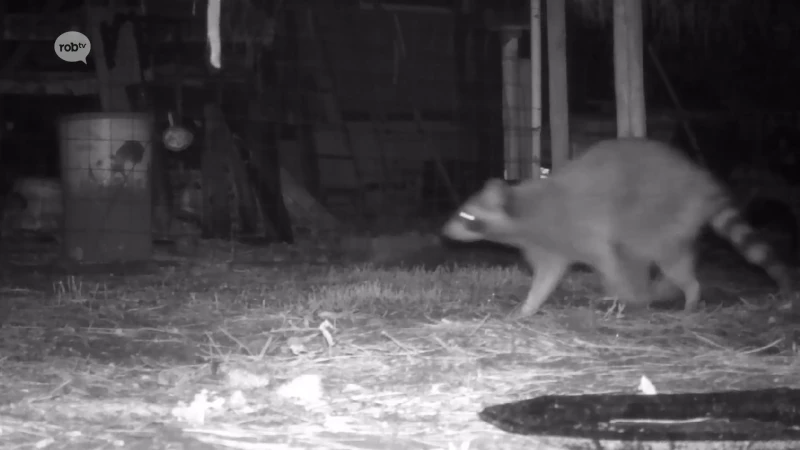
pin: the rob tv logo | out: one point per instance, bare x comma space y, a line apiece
73, 46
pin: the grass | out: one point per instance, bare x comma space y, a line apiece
314, 356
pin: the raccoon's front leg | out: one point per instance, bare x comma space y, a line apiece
548, 269
634, 282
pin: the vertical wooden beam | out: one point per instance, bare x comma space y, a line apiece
621, 73
636, 68
94, 17
512, 117
126, 71
557, 82
628, 72
536, 89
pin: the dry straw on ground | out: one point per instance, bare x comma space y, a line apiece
345, 358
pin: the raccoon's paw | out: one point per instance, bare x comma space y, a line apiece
616, 308
520, 312
665, 293
792, 306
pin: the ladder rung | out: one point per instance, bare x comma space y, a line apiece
340, 190
332, 156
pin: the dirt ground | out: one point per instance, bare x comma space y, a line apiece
298, 349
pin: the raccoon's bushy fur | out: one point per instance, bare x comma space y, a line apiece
623, 205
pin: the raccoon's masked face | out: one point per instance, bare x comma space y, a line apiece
482, 216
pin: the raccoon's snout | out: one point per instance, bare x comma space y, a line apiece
464, 227
471, 223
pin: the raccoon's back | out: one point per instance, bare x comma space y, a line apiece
635, 169
643, 186
637, 190
556, 217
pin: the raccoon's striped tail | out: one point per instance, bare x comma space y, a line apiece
729, 224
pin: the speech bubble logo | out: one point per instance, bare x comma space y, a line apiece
73, 46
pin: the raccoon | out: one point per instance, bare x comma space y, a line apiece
623, 206
550, 243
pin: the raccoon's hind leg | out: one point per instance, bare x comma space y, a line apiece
678, 267
548, 269
623, 277
646, 284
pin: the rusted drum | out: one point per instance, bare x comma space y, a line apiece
105, 171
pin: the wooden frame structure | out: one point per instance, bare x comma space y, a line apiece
628, 76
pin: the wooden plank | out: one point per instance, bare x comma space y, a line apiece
414, 6
628, 72
24, 48
557, 80
621, 73
638, 113
126, 71
513, 105
47, 27
40, 27
505, 20
55, 86
536, 89
95, 17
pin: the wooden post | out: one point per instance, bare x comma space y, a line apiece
511, 105
628, 73
126, 71
636, 68
621, 73
557, 82
536, 89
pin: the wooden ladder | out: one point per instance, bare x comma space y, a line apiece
331, 104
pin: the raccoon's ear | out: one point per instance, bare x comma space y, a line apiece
496, 192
